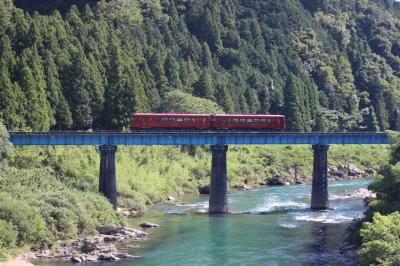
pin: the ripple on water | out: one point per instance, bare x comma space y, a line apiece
325, 217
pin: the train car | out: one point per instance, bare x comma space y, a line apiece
248, 121
169, 121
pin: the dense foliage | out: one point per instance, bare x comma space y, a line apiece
381, 240
327, 65
37, 208
381, 233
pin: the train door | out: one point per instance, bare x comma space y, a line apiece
213, 121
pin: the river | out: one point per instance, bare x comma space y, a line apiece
268, 226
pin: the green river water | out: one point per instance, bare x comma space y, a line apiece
268, 226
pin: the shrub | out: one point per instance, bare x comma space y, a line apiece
26, 220
381, 240
8, 238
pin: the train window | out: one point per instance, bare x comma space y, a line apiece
204, 120
179, 119
242, 120
249, 120
171, 119
158, 119
263, 120
235, 120
278, 121
164, 119
269, 120
256, 120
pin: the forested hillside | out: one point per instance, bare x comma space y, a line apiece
326, 65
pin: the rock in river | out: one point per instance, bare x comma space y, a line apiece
149, 225
278, 181
361, 193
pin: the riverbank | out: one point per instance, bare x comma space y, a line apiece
98, 248
19, 261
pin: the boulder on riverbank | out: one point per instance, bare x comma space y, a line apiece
348, 171
278, 180
335, 172
92, 248
294, 178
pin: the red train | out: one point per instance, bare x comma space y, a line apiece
206, 121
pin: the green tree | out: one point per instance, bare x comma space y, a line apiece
61, 114
31, 80
78, 93
180, 102
6, 146
293, 104
205, 86
381, 245
12, 102
223, 97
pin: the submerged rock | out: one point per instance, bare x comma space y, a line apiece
149, 225
204, 190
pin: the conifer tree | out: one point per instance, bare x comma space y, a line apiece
204, 87
252, 100
31, 80
77, 90
223, 97
320, 123
12, 102
5, 13
125, 93
371, 121
206, 56
172, 72
293, 104
8, 59
61, 114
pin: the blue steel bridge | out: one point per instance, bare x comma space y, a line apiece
107, 142
194, 138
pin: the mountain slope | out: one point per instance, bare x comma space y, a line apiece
326, 65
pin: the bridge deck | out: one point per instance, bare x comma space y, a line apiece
194, 138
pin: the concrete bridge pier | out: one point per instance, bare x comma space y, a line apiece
218, 201
319, 193
108, 180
